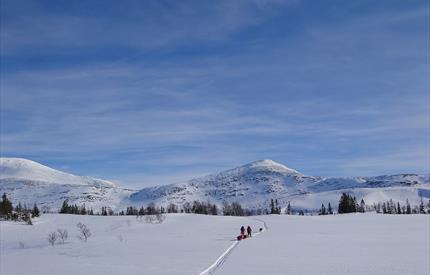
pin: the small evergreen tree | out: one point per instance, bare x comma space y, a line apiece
35, 212
5, 207
330, 210
65, 208
389, 209
422, 211
354, 205
19, 208
399, 210
362, 206
347, 204
83, 210
323, 210
378, 208
214, 210
384, 208
288, 210
408, 207
428, 207
272, 207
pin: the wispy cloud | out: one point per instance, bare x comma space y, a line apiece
139, 25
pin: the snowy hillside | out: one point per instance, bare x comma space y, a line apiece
29, 182
191, 244
254, 184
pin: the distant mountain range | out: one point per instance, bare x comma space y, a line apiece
252, 185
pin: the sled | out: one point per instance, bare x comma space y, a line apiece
241, 237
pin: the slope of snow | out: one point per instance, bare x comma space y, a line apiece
182, 244
341, 244
255, 184
190, 244
29, 182
24, 169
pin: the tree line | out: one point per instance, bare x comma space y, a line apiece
391, 207
67, 208
348, 204
196, 207
19, 212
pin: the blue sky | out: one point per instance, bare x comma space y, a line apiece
155, 92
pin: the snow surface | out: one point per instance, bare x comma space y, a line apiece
190, 244
340, 244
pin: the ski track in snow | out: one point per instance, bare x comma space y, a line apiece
224, 256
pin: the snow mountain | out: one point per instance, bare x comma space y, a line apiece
255, 184
30, 182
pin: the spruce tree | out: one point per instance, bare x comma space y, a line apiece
422, 211
289, 209
408, 207
354, 205
83, 210
65, 209
35, 212
214, 210
6, 207
330, 210
342, 208
18, 208
323, 210
428, 207
277, 208
389, 209
362, 206
399, 210
378, 208
272, 207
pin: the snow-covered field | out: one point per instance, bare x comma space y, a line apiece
189, 244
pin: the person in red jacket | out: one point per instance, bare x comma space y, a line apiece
242, 231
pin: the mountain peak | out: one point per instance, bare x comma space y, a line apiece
25, 169
270, 164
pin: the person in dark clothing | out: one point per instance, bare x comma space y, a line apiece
242, 230
249, 230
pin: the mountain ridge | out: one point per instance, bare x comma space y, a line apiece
253, 185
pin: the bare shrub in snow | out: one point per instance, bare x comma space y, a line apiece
149, 218
157, 218
21, 245
52, 238
84, 232
62, 235
160, 217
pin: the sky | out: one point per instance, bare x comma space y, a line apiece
155, 92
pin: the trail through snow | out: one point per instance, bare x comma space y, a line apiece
224, 256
